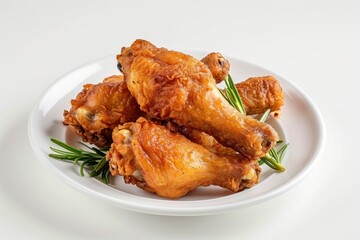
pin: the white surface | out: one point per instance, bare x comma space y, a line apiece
315, 44
45, 122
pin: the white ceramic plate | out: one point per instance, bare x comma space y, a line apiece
301, 125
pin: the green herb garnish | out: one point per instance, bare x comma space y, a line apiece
94, 160
273, 158
232, 95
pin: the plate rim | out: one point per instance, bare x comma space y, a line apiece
189, 211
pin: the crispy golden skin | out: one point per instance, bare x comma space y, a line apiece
218, 65
99, 108
203, 139
170, 85
261, 93
168, 164
258, 94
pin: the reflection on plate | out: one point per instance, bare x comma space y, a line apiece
300, 125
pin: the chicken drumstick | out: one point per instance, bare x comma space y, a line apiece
168, 164
170, 85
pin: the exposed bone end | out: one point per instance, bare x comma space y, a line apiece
138, 175
126, 134
84, 113
250, 175
276, 114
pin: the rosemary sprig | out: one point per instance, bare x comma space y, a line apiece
264, 116
93, 160
232, 95
273, 158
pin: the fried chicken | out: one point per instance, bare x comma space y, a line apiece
170, 85
98, 130
218, 65
168, 164
99, 108
204, 139
261, 93
270, 96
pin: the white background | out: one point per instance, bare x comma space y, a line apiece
315, 44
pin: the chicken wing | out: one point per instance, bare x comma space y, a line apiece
168, 164
99, 108
261, 93
174, 86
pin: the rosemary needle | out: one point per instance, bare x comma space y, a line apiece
232, 95
94, 160
273, 158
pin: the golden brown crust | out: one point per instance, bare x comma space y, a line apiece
99, 108
218, 65
261, 93
168, 164
174, 86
